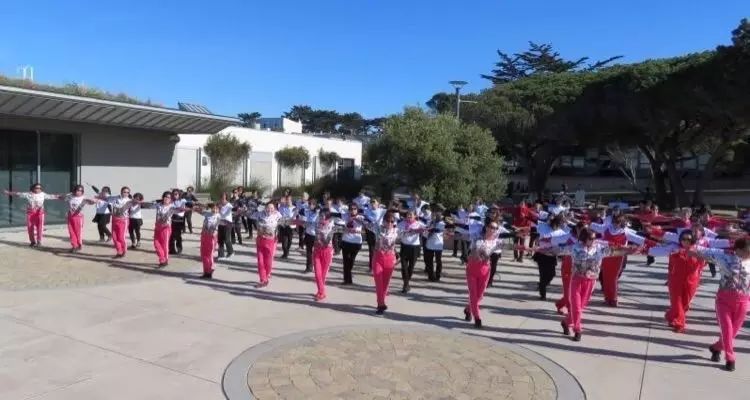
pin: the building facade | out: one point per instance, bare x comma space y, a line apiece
194, 167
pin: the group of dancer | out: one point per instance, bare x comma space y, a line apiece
592, 241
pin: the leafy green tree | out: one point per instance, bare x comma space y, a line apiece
442, 103
248, 120
226, 153
446, 160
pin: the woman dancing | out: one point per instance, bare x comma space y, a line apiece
35, 198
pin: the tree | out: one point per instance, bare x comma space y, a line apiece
539, 59
293, 157
442, 103
227, 154
248, 120
446, 160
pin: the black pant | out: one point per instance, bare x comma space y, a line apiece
465, 245
188, 221
301, 236
236, 233
408, 259
102, 220
371, 239
134, 229
309, 243
349, 252
494, 258
250, 225
175, 238
246, 224
224, 239
547, 265
285, 236
712, 268
433, 262
337, 242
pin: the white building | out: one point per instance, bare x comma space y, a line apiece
285, 125
194, 168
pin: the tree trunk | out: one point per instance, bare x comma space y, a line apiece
708, 172
675, 179
656, 161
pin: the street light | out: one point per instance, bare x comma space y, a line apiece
458, 85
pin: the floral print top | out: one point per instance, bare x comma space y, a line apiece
735, 272
385, 238
120, 206
267, 223
323, 233
35, 201
164, 213
75, 203
482, 249
211, 222
587, 261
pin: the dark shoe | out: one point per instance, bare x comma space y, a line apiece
380, 310
715, 355
405, 289
467, 314
650, 260
307, 270
566, 328
577, 337
32, 244
161, 265
478, 323
179, 251
207, 275
729, 366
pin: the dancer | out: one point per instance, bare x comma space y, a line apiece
555, 233
136, 221
478, 270
286, 228
225, 226
521, 220
165, 209
323, 252
351, 241
120, 206
211, 222
410, 230
268, 223
617, 234
384, 260
732, 297
566, 270
178, 222
76, 201
35, 198
373, 214
310, 222
301, 207
587, 256
494, 216
190, 201
433, 255
103, 214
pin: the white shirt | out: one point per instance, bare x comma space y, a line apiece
580, 197
311, 222
225, 213
352, 229
102, 206
135, 211
375, 215
406, 231
435, 239
362, 201
179, 203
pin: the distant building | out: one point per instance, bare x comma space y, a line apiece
279, 125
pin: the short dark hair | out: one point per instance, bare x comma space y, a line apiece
742, 244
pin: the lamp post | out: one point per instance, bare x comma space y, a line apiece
458, 85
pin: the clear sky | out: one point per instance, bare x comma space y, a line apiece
368, 56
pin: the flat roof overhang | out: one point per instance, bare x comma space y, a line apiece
19, 102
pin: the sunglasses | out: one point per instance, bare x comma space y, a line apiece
493, 227
686, 239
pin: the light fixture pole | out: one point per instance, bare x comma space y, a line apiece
458, 85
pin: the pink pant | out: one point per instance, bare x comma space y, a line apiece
581, 289
35, 220
208, 244
477, 275
322, 257
75, 228
265, 247
119, 228
382, 269
611, 267
731, 307
566, 271
161, 242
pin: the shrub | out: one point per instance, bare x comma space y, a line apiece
292, 157
256, 185
328, 158
227, 154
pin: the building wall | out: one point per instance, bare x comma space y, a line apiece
113, 156
262, 164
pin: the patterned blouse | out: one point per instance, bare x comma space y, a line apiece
211, 223
735, 272
35, 201
385, 238
267, 223
164, 213
75, 203
120, 206
323, 233
587, 261
482, 249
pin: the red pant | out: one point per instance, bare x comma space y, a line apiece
681, 292
731, 308
208, 244
322, 257
265, 247
119, 228
477, 275
161, 242
611, 267
581, 289
382, 269
35, 220
566, 270
75, 228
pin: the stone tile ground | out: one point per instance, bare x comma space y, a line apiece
85, 326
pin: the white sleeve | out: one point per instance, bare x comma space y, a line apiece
634, 238
598, 228
671, 237
710, 234
661, 251
719, 243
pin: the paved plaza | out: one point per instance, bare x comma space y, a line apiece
86, 326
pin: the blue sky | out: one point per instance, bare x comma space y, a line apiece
368, 56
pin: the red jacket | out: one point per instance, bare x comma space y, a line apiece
684, 269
